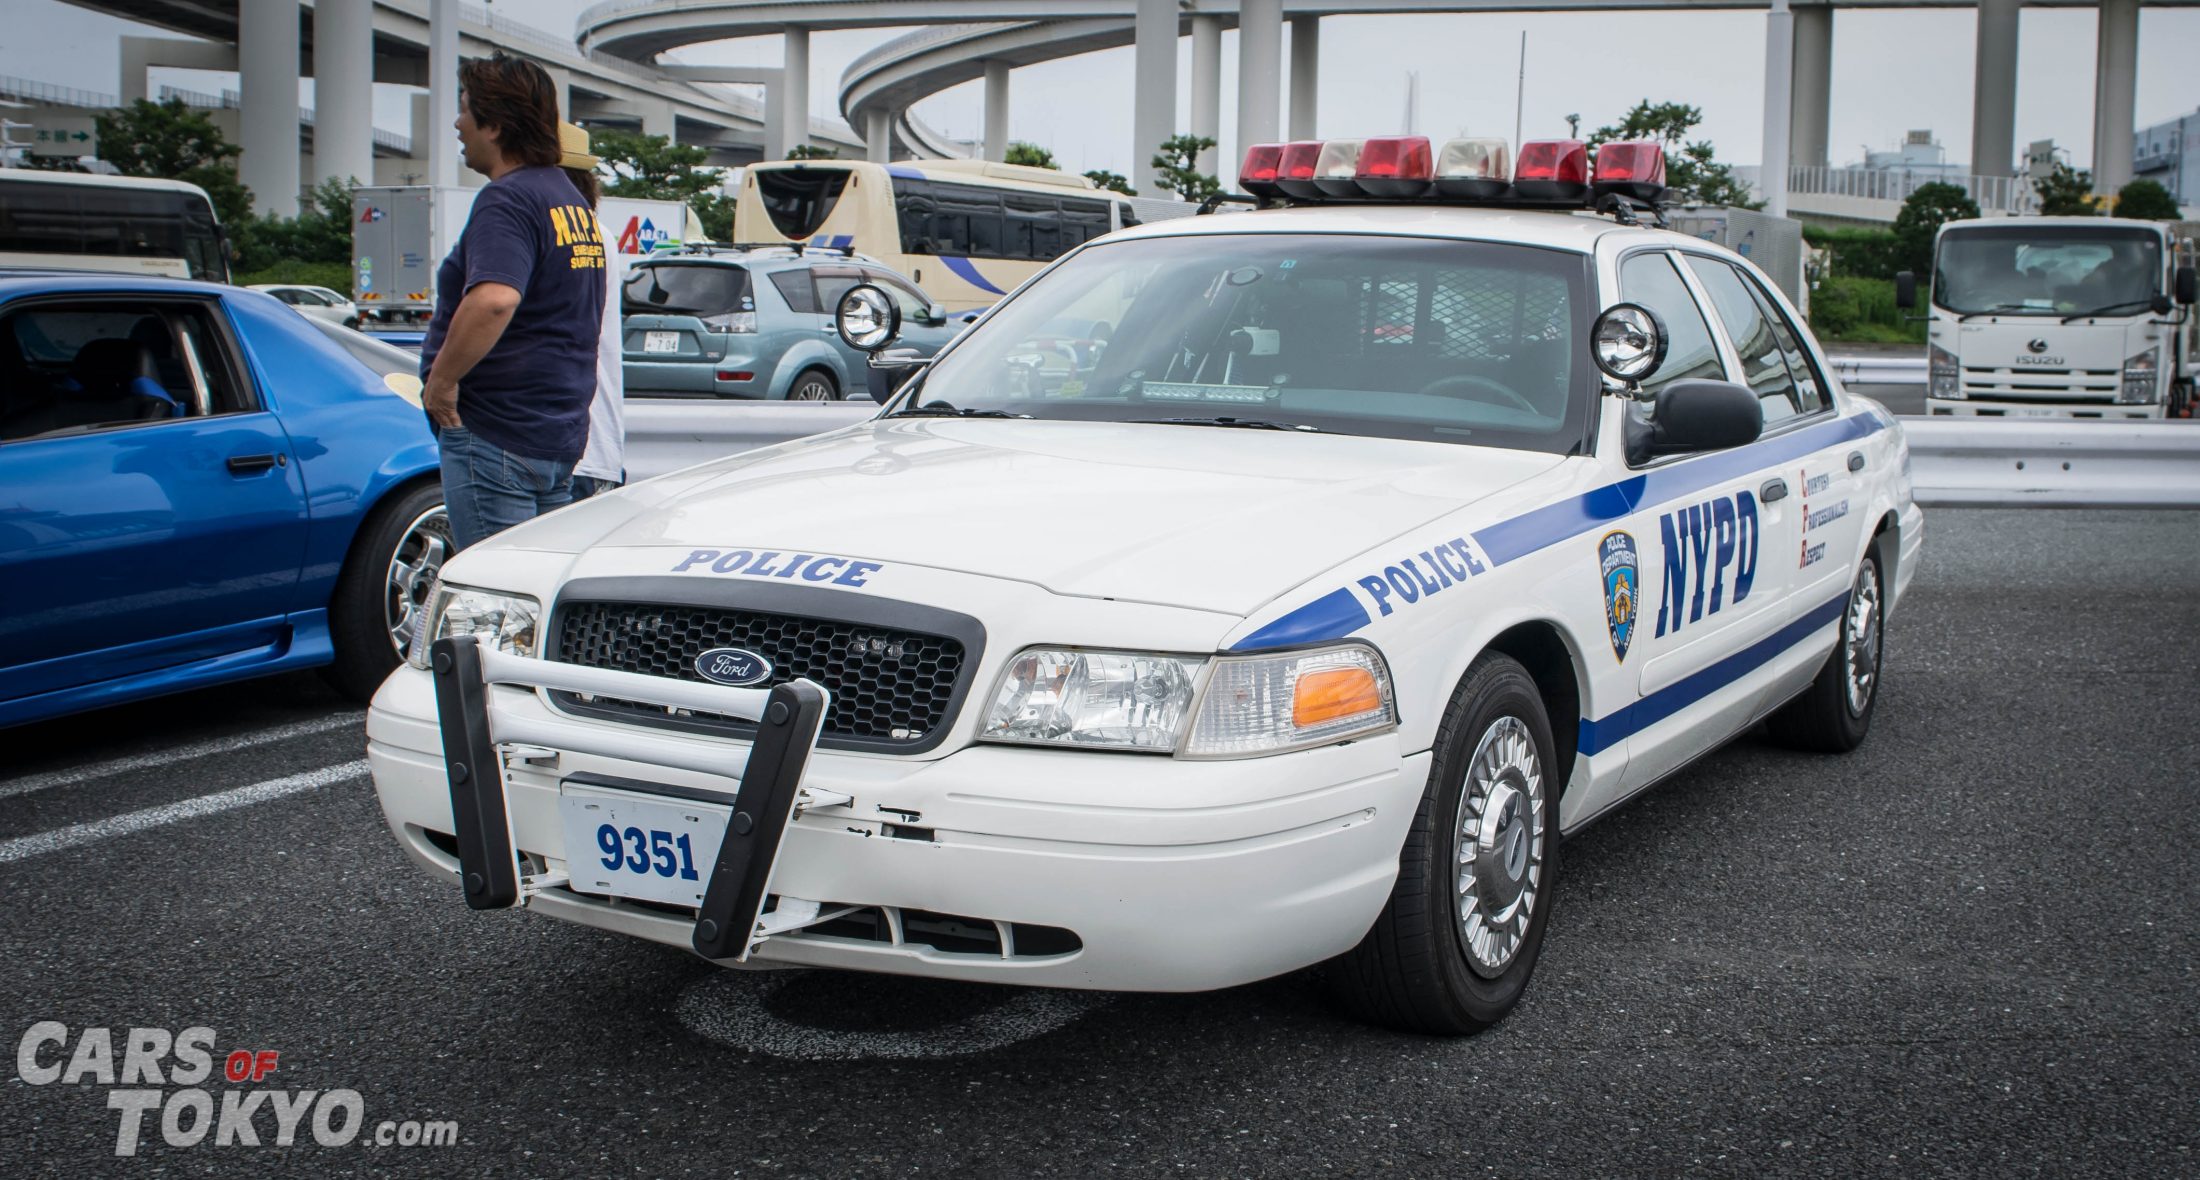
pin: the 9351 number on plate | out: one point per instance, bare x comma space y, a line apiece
652, 847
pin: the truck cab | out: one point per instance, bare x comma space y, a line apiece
2084, 317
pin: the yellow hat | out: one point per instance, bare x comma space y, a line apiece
573, 142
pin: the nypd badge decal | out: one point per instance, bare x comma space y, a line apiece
1616, 560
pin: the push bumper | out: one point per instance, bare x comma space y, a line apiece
993, 863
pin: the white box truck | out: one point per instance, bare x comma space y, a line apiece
401, 233
2044, 317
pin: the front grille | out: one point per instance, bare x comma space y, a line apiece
2041, 385
891, 689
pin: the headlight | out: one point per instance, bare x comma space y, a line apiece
504, 622
1945, 375
2142, 378
1267, 704
1099, 699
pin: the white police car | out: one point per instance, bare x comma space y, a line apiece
1243, 593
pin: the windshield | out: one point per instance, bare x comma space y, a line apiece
1392, 337
698, 289
2035, 271
799, 199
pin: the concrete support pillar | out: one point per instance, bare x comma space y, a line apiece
1153, 99
267, 123
1779, 104
1813, 91
878, 136
996, 110
443, 158
1306, 59
1260, 72
794, 92
657, 119
2115, 91
1207, 87
1994, 99
343, 90
562, 82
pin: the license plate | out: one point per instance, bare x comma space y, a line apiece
660, 342
650, 847
2030, 412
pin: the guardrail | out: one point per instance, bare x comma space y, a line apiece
1879, 370
2010, 463
2064, 463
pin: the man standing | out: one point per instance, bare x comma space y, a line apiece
510, 357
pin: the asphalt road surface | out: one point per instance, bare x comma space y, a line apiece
1969, 948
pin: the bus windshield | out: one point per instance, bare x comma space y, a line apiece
153, 230
800, 199
2035, 271
1389, 337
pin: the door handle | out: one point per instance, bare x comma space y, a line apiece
1856, 460
1774, 489
247, 464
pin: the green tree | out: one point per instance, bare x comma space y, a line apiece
811, 151
1178, 164
1922, 216
1692, 169
170, 141
1114, 182
652, 167
2147, 200
2065, 192
321, 233
1030, 154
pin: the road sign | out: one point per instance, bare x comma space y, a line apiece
55, 134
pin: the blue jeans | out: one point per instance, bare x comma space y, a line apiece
488, 489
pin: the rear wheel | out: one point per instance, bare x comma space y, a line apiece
384, 587
1452, 951
814, 385
1834, 714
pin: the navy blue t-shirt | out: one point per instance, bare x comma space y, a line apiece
531, 231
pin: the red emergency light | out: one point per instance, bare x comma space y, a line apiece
1396, 166
1295, 174
1552, 170
1258, 174
1632, 168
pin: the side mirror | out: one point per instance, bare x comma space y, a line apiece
1696, 415
2187, 285
1905, 289
935, 315
867, 318
1628, 342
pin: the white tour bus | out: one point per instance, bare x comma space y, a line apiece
967, 231
127, 224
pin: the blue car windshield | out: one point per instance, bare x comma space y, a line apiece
1396, 337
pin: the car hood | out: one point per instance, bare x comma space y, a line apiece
1210, 518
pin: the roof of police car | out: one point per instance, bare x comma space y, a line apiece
1555, 229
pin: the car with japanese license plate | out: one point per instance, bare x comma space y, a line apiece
1362, 547
198, 485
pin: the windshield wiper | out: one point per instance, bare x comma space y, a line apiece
1999, 307
944, 410
1238, 423
2147, 303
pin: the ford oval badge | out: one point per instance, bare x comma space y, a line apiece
732, 665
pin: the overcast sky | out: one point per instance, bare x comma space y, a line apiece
1893, 70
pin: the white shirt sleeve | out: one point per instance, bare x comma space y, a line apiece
605, 456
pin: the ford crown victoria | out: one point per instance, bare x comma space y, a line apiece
1362, 547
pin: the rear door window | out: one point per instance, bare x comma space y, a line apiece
796, 288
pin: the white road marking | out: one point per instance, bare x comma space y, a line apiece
243, 741
152, 817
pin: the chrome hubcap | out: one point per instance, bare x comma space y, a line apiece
419, 557
1499, 846
1860, 651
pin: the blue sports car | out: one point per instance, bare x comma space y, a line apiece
198, 485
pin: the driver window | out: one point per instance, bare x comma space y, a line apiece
913, 306
1764, 367
71, 367
1690, 354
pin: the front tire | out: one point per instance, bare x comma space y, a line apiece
1452, 951
1834, 714
385, 582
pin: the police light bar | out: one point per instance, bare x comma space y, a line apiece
1295, 175
1553, 170
1396, 166
1474, 169
1257, 175
1337, 169
1632, 168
